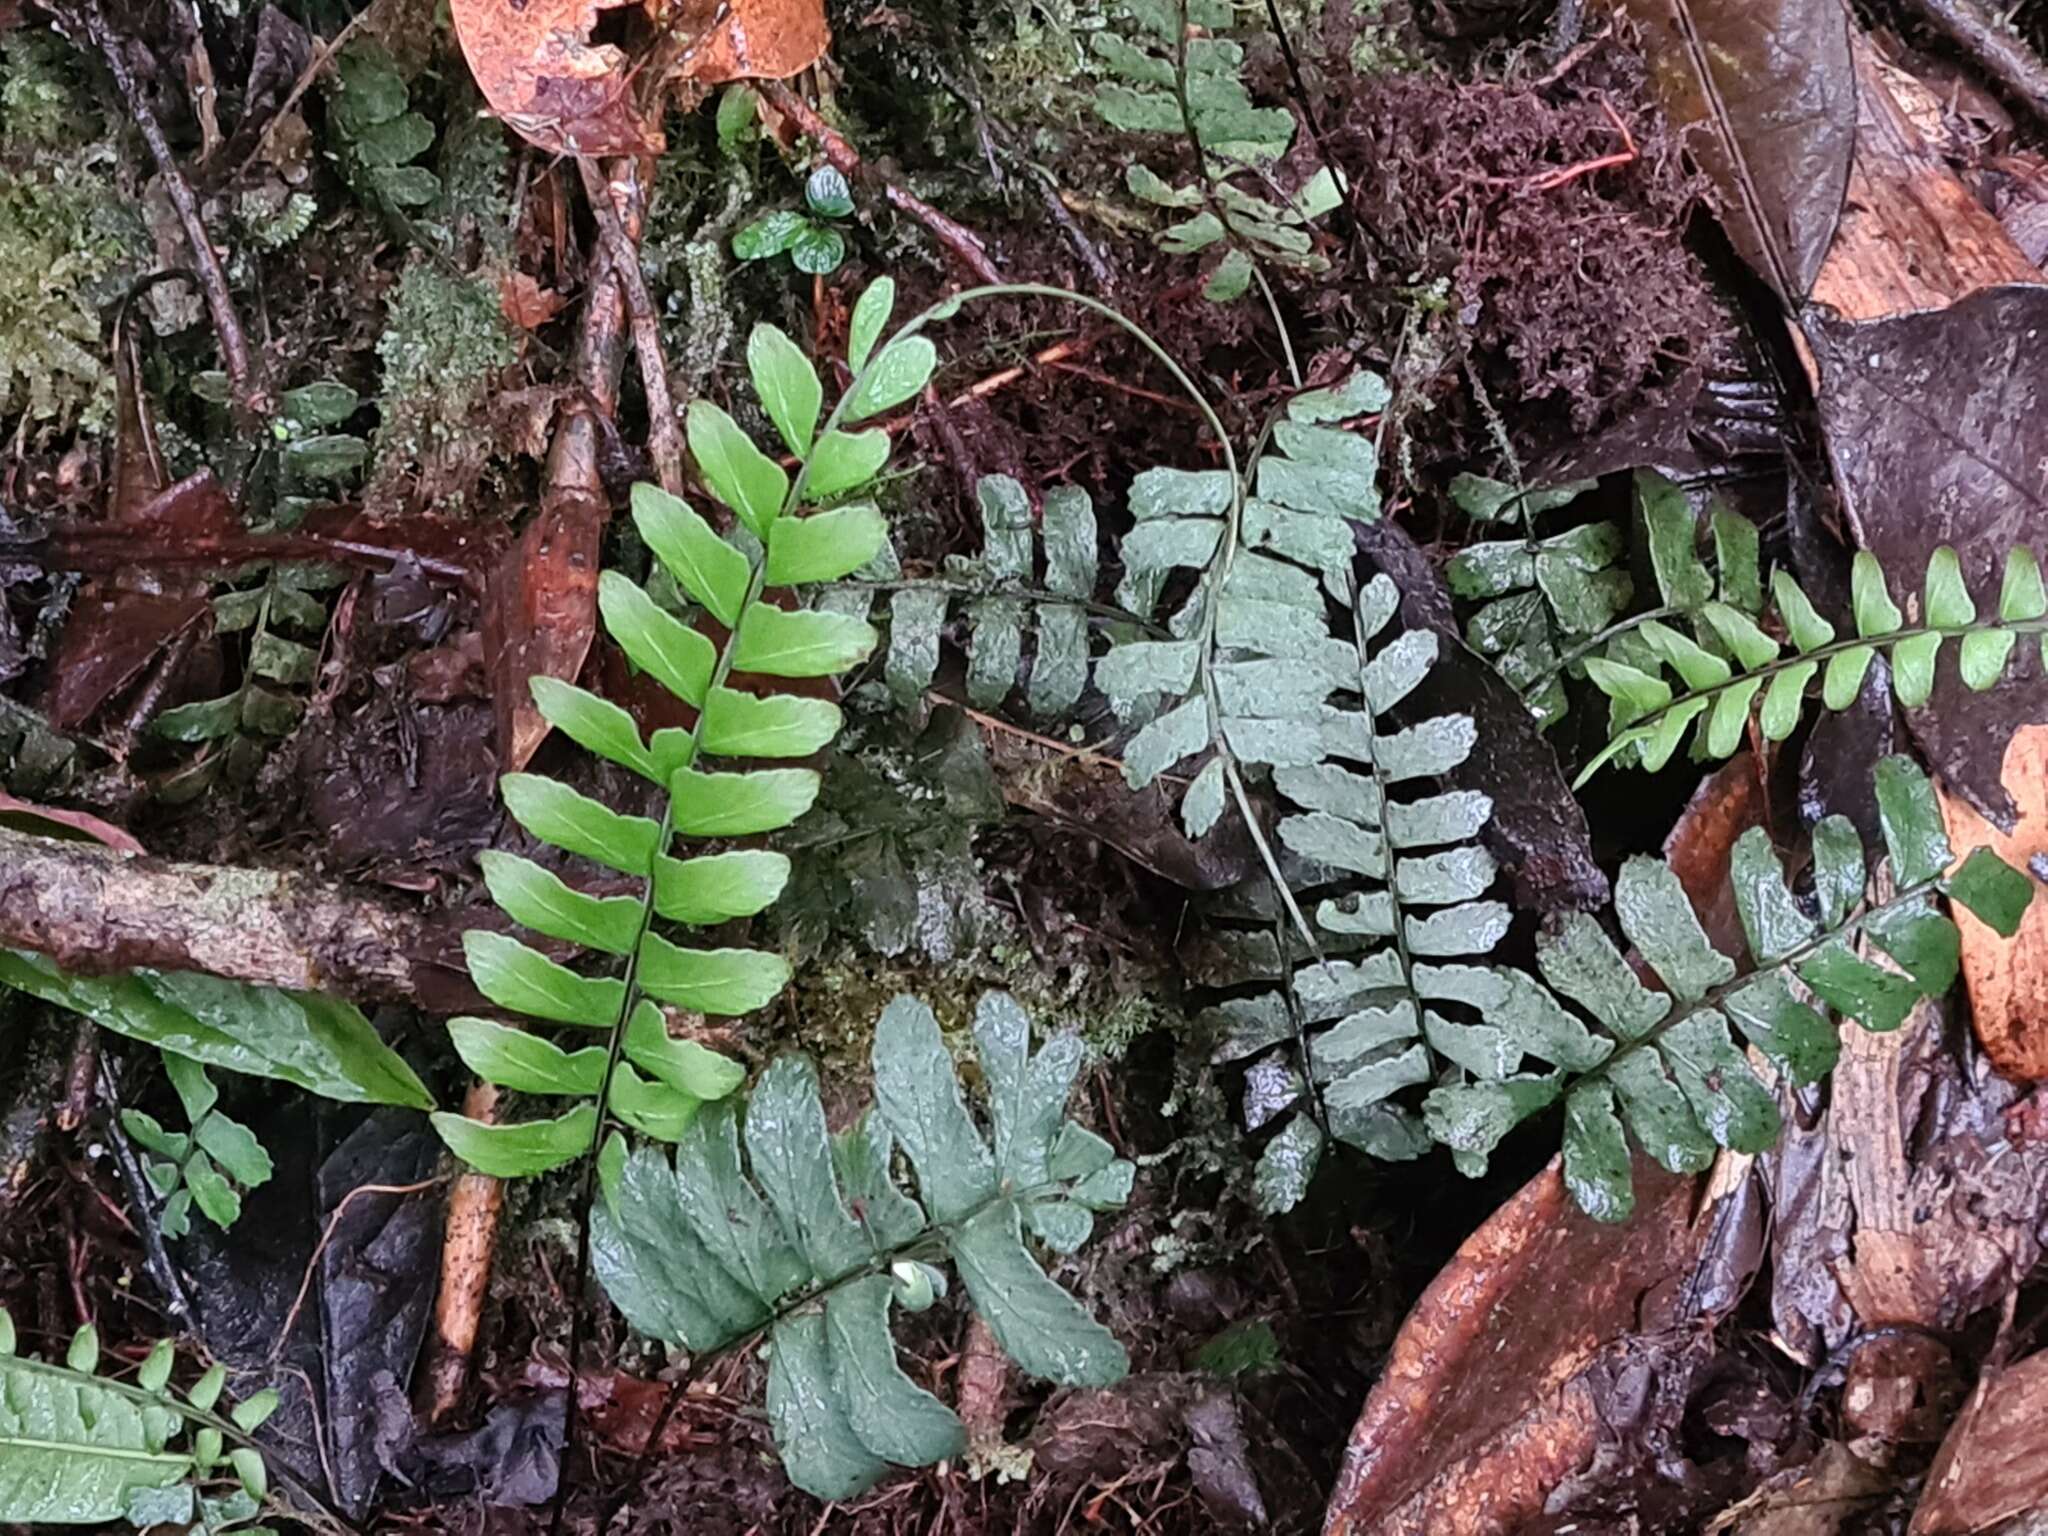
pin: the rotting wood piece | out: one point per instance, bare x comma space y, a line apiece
97, 912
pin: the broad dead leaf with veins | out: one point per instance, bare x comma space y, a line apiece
540, 73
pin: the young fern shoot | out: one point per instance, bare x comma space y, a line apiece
638, 1074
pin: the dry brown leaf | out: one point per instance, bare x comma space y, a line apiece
2008, 978
540, 73
1991, 1468
756, 40
541, 617
525, 303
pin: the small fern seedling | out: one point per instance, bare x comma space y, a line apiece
638, 1073
1175, 76
810, 1239
77, 1448
1630, 1060
208, 1166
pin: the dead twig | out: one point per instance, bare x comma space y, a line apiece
96, 911
324, 53
664, 438
1624, 156
244, 383
956, 237
474, 1205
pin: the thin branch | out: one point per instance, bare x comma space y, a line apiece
957, 238
664, 437
244, 383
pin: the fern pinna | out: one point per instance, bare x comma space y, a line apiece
810, 1239
1729, 661
1663, 1063
77, 1448
649, 1081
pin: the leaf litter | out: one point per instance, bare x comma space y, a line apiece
1529, 253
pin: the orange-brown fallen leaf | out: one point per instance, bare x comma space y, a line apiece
1991, 1468
756, 40
525, 303
2008, 978
538, 69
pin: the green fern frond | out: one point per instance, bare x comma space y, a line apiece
808, 1237
649, 1081
1662, 1066
1169, 80
1730, 665
1539, 597
995, 595
79, 1449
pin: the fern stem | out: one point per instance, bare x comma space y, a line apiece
1596, 642
1645, 726
1714, 997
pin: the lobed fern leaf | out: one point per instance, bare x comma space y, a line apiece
767, 1222
1539, 597
79, 1449
1173, 74
1731, 665
648, 1080
1662, 1066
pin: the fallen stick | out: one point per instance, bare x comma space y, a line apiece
664, 439
97, 912
244, 387
1995, 47
956, 237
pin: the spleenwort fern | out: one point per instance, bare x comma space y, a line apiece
1730, 662
648, 1080
1664, 1063
1173, 76
995, 596
810, 1240
80, 1449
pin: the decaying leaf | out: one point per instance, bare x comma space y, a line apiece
2008, 978
541, 617
1769, 85
537, 68
753, 39
1991, 1467
1496, 1392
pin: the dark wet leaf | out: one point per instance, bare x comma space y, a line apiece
1778, 109
1935, 422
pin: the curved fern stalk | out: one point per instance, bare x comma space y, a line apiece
771, 547
808, 1238
79, 1449
1664, 1064
1718, 684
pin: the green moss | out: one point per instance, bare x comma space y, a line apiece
444, 340
69, 244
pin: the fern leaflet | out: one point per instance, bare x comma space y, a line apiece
810, 1239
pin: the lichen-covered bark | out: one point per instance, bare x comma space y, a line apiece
95, 911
